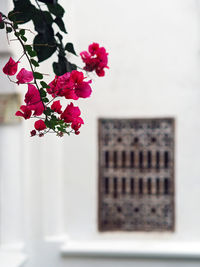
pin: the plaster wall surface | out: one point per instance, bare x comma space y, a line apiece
154, 71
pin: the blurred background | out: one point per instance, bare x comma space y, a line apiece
49, 186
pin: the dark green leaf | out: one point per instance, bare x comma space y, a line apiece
70, 48
44, 45
44, 85
23, 12
15, 26
48, 111
37, 75
24, 38
42, 93
59, 36
60, 24
28, 48
42, 20
56, 10
2, 25
45, 100
8, 29
22, 31
17, 34
34, 62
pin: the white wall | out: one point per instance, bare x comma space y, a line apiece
154, 72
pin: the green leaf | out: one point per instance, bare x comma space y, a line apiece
22, 31
60, 24
38, 75
15, 26
17, 34
56, 10
30, 51
24, 38
42, 20
50, 123
34, 62
23, 11
70, 48
8, 29
2, 25
44, 85
48, 111
42, 93
45, 100
44, 45
32, 54
59, 36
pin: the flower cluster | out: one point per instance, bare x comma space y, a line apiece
41, 101
96, 59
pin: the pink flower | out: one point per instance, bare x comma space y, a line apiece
40, 125
26, 114
96, 59
93, 48
77, 77
33, 100
56, 106
70, 94
83, 89
33, 133
72, 114
60, 85
1, 19
24, 76
11, 67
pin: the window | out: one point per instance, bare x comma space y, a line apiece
136, 174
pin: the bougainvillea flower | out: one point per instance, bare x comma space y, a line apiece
61, 85
1, 19
33, 132
33, 100
83, 89
75, 127
11, 67
72, 114
56, 106
70, 94
40, 125
96, 59
93, 48
64, 81
24, 76
26, 112
77, 77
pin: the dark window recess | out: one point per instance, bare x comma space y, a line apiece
140, 186
166, 186
132, 186
115, 159
149, 186
132, 158
157, 159
141, 159
106, 185
157, 186
166, 159
107, 159
115, 187
136, 182
123, 159
123, 185
149, 159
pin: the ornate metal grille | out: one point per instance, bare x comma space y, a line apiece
136, 174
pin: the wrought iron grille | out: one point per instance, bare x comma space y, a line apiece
136, 174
